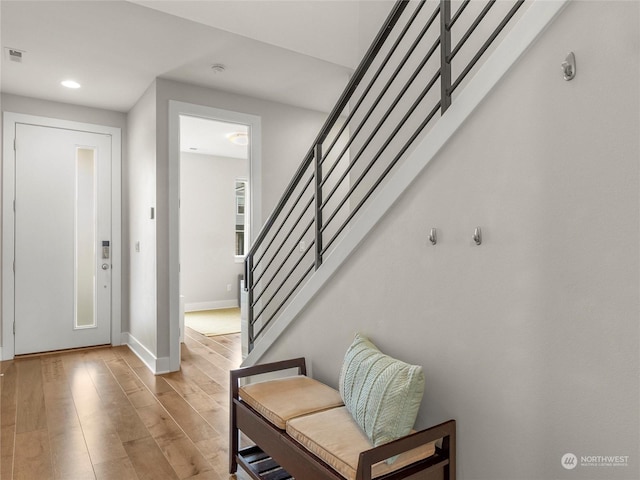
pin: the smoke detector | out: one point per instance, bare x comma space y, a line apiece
218, 68
14, 55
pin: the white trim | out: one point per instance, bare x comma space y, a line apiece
213, 305
158, 366
116, 233
255, 184
8, 221
523, 34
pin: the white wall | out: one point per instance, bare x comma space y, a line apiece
207, 230
530, 341
140, 176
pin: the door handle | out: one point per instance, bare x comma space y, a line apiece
105, 266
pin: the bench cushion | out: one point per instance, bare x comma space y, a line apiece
335, 437
383, 394
283, 399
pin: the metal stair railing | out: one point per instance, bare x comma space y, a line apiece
405, 82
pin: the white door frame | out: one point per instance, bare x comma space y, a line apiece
7, 350
255, 185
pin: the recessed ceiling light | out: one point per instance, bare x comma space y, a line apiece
239, 138
70, 84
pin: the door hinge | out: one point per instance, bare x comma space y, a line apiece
14, 145
14, 266
14, 327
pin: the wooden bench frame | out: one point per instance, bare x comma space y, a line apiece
275, 449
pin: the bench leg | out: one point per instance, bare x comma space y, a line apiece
233, 427
449, 447
233, 443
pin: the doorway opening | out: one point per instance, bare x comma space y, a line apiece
252, 202
214, 222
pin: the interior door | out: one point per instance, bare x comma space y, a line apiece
62, 239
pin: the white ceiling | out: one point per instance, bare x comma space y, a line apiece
327, 30
299, 52
210, 137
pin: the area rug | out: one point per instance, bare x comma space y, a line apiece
214, 322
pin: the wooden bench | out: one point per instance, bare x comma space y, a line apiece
277, 455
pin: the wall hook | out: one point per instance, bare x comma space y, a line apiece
433, 237
477, 236
569, 66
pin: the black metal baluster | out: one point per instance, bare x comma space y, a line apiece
249, 287
318, 199
271, 286
445, 53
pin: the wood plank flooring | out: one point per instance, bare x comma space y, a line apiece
100, 414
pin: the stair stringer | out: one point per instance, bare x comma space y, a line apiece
523, 34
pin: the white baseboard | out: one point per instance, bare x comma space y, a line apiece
157, 365
214, 305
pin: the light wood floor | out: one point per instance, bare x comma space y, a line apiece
100, 414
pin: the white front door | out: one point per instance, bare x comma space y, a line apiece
62, 239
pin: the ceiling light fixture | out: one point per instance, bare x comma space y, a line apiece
70, 84
239, 138
218, 68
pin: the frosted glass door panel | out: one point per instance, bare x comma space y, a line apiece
86, 241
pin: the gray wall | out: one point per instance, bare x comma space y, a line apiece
287, 134
207, 230
140, 176
64, 111
529, 341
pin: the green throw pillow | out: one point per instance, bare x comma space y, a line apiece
383, 394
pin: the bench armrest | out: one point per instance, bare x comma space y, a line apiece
244, 372
445, 431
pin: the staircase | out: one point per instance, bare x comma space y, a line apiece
428, 68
